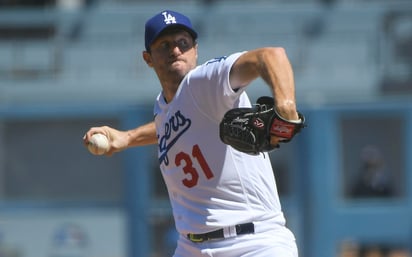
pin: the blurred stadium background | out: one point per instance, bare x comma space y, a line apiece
67, 65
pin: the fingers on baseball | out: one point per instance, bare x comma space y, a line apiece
87, 138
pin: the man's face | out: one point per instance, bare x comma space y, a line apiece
172, 55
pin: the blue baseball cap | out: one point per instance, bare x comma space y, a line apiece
163, 20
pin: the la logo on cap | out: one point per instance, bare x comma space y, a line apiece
169, 19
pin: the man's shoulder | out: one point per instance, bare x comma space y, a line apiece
216, 59
223, 58
219, 62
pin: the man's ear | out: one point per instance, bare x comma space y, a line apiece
196, 50
147, 58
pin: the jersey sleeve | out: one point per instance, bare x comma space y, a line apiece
210, 88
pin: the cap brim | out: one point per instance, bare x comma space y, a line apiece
172, 27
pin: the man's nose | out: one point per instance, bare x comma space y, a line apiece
175, 49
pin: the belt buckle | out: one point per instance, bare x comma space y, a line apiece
194, 239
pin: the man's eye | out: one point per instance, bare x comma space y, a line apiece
183, 44
164, 45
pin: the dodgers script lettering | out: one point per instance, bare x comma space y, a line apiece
173, 130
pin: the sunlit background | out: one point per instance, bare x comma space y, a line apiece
67, 65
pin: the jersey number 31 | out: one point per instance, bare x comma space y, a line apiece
185, 159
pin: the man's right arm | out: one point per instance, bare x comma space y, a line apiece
121, 140
143, 135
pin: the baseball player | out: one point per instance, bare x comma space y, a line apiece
225, 202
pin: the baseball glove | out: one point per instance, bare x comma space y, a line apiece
249, 130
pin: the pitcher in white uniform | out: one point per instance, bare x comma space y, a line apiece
225, 203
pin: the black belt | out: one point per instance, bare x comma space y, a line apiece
241, 229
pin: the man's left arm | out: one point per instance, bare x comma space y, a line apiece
273, 66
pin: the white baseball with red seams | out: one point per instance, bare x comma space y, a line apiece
98, 144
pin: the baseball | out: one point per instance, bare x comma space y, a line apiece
98, 144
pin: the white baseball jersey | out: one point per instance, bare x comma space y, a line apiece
210, 184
